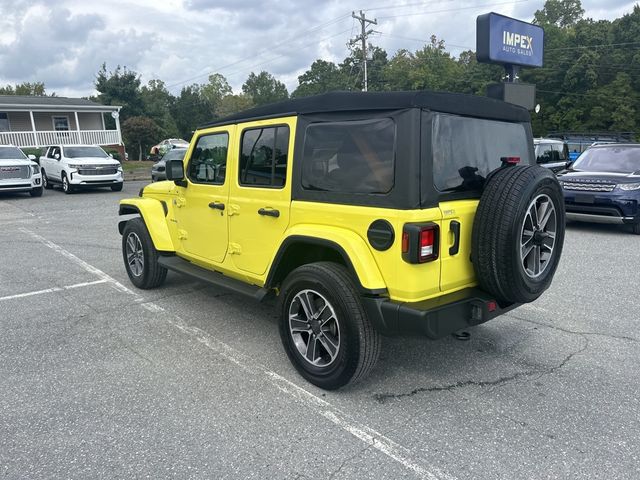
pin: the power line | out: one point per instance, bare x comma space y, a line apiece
264, 50
592, 46
457, 9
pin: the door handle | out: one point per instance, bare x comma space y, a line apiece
217, 205
455, 228
269, 212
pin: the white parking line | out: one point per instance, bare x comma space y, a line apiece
89, 268
339, 418
365, 434
53, 289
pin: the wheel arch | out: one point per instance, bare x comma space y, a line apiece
297, 250
153, 213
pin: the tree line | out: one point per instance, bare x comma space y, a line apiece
590, 80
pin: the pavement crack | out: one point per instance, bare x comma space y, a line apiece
577, 332
347, 460
539, 373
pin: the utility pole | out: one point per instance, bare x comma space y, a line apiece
363, 37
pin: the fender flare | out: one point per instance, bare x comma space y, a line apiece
153, 213
349, 245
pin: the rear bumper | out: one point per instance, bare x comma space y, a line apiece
435, 318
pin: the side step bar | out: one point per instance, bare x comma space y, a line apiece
180, 265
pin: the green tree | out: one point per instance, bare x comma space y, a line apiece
120, 87
26, 88
214, 91
264, 88
231, 104
157, 104
352, 69
140, 131
189, 110
322, 77
562, 13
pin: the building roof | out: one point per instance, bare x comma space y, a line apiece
455, 103
31, 102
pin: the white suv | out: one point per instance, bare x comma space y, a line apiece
80, 166
19, 173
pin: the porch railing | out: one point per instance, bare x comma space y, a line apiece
44, 138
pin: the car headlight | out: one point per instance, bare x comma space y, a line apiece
36, 169
629, 186
74, 165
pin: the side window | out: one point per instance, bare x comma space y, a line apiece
263, 158
208, 162
4, 122
559, 153
53, 151
350, 157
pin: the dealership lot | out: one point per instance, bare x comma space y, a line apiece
99, 380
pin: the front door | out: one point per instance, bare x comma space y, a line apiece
260, 195
202, 206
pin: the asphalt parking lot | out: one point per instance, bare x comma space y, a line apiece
100, 380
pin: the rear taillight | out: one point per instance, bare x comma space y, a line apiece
510, 160
420, 242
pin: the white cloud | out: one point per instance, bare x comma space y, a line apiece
63, 43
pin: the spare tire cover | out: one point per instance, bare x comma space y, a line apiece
518, 233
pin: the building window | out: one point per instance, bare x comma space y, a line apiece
61, 124
4, 122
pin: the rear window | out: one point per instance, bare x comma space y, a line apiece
466, 149
350, 157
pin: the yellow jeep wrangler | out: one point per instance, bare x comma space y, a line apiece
364, 213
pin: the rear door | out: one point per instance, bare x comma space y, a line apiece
465, 150
260, 195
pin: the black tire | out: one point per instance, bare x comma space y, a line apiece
150, 274
505, 229
344, 322
117, 187
36, 192
636, 228
45, 181
66, 186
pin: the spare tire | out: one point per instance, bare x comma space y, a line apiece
518, 233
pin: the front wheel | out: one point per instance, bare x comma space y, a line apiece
636, 228
36, 192
140, 256
117, 187
66, 186
45, 181
323, 327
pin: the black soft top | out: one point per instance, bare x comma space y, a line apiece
456, 103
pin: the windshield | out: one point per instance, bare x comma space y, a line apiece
10, 153
77, 152
175, 154
609, 159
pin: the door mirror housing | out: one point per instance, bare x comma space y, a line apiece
57, 156
31, 157
175, 172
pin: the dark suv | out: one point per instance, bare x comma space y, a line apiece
603, 185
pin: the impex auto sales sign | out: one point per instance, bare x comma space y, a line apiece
508, 41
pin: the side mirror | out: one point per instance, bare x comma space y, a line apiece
175, 172
111, 155
57, 156
31, 157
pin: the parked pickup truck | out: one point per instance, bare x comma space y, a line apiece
80, 166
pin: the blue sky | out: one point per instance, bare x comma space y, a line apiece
64, 42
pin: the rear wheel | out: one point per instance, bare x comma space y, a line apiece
323, 327
140, 256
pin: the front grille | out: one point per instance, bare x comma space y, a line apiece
589, 187
98, 171
14, 171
